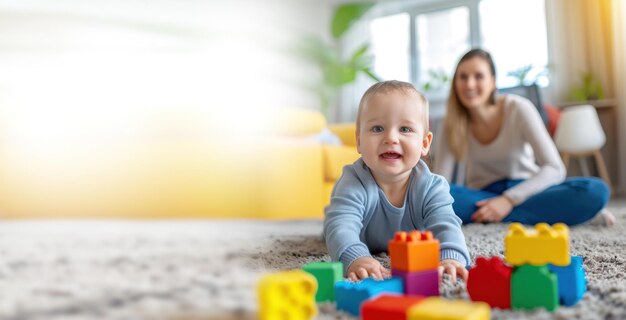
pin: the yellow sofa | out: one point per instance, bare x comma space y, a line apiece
281, 172
302, 181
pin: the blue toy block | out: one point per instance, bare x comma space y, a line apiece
350, 295
571, 281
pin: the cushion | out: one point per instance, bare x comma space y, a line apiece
345, 132
335, 158
296, 122
554, 114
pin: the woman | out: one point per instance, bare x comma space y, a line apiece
513, 169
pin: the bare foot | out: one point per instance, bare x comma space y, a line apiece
603, 218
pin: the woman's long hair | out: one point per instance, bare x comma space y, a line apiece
456, 123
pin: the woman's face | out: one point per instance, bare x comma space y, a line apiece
474, 82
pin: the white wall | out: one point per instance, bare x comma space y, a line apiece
75, 67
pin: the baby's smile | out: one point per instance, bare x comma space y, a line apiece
390, 155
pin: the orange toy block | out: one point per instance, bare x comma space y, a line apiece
388, 307
435, 308
538, 246
414, 251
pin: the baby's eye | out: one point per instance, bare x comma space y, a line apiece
406, 130
377, 129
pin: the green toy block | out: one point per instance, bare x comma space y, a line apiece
534, 287
326, 273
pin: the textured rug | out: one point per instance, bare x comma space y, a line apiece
191, 269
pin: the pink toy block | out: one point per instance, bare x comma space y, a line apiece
420, 283
490, 281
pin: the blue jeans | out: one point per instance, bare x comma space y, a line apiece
572, 202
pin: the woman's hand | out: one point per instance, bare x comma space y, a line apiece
365, 267
453, 268
493, 209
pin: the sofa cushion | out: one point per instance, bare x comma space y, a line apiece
554, 114
297, 122
328, 190
345, 132
335, 158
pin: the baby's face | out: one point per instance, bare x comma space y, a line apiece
391, 137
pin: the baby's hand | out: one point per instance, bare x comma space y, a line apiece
364, 267
452, 267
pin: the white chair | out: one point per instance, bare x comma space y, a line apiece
579, 134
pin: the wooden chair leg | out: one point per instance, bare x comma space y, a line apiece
565, 157
584, 167
604, 174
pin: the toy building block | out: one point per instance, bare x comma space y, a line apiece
490, 281
421, 283
571, 281
350, 295
414, 251
435, 308
540, 246
326, 273
534, 287
388, 307
287, 295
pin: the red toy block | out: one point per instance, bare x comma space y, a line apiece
490, 281
388, 307
414, 251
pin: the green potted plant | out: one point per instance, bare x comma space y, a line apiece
590, 88
520, 74
437, 80
523, 74
337, 71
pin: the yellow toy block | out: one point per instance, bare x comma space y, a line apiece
538, 246
287, 295
435, 308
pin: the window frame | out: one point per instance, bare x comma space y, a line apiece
429, 7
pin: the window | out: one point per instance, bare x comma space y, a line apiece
516, 41
442, 36
390, 41
420, 42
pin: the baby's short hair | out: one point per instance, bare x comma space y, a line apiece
390, 86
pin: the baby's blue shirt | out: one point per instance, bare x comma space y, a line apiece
360, 219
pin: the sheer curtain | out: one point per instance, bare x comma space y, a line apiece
589, 36
618, 10
580, 40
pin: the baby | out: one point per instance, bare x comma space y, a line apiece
389, 189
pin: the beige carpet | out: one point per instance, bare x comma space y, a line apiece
208, 269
